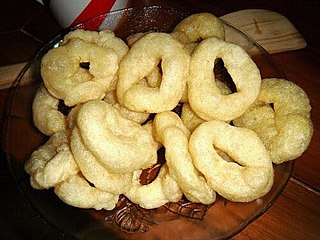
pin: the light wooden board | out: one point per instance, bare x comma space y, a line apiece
273, 31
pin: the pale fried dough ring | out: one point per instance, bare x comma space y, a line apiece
204, 95
52, 162
160, 191
286, 129
250, 179
200, 26
175, 136
77, 192
94, 172
193, 29
119, 144
45, 113
66, 79
150, 50
103, 38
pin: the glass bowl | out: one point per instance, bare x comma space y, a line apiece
45, 216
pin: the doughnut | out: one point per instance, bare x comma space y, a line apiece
94, 171
119, 144
281, 118
140, 61
197, 27
65, 77
204, 95
250, 174
103, 38
52, 162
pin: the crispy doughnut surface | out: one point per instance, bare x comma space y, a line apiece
51, 163
199, 26
76, 191
204, 95
66, 79
45, 113
250, 174
141, 60
119, 144
281, 118
175, 136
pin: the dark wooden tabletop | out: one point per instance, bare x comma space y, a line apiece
25, 26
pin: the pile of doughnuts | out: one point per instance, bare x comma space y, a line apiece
121, 98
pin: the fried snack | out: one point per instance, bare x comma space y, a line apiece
286, 128
131, 39
138, 117
152, 49
65, 78
193, 29
52, 162
249, 177
189, 118
119, 144
93, 170
103, 38
77, 191
123, 111
153, 80
175, 136
200, 26
45, 113
162, 190
205, 97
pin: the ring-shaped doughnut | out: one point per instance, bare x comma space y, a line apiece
52, 162
120, 145
204, 95
66, 79
249, 177
103, 38
199, 26
142, 58
94, 172
281, 118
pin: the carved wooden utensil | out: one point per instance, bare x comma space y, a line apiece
273, 31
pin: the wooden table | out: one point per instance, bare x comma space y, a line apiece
296, 213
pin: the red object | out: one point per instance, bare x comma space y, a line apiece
94, 8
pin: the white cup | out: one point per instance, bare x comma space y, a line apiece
71, 12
